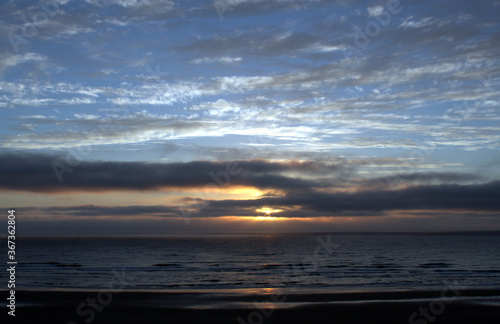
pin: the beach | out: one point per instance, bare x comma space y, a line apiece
256, 306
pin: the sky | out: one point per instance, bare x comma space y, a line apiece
152, 117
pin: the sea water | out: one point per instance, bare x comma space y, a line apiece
338, 261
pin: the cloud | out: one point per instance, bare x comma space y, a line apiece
422, 178
473, 200
8, 61
375, 11
223, 59
299, 188
39, 173
409, 23
477, 197
360, 113
330, 178
123, 211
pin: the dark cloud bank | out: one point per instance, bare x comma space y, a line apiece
299, 188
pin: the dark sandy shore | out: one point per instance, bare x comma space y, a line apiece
254, 306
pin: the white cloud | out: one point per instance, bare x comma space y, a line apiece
33, 117
375, 11
409, 23
14, 60
77, 101
86, 116
223, 59
321, 48
166, 4
21, 58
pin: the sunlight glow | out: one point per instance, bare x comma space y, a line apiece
268, 211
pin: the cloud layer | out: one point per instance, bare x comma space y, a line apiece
299, 189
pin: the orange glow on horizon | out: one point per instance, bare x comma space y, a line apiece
267, 218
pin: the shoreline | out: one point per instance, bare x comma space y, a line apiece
244, 306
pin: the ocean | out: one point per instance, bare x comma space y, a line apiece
338, 262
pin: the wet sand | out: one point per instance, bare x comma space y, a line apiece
255, 306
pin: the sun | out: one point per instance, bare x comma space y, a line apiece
267, 211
